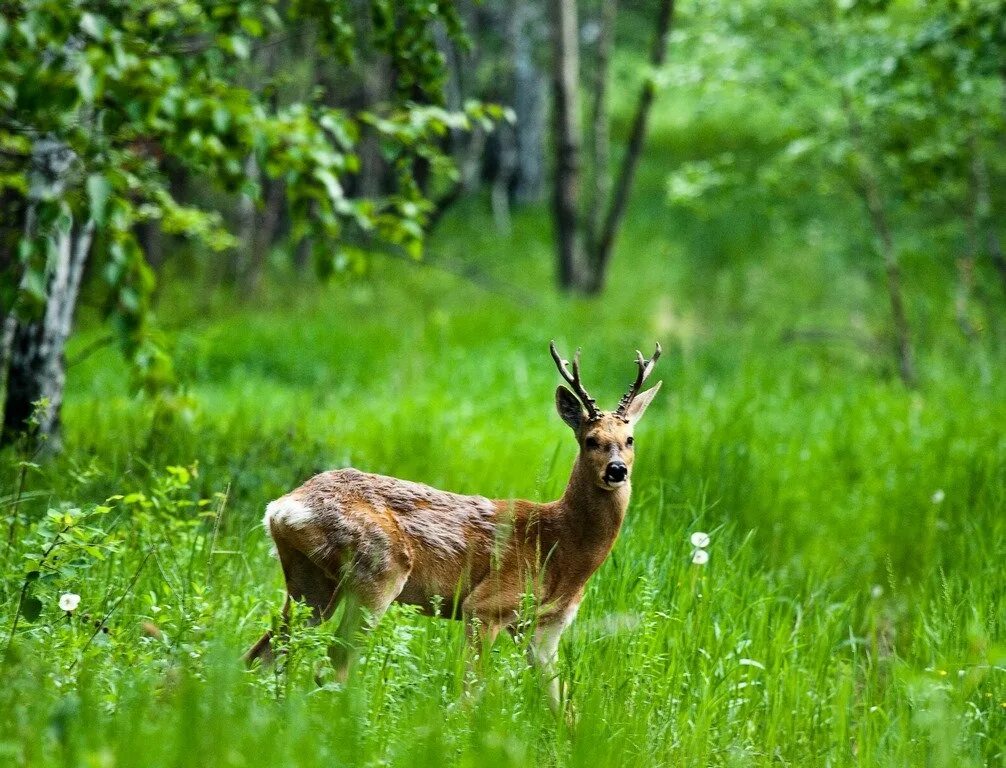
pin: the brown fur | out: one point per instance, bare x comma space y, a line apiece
372, 540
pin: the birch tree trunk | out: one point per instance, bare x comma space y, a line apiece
36, 366
529, 96
585, 247
376, 88
466, 147
243, 257
566, 192
600, 139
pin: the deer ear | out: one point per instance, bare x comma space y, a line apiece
638, 406
569, 407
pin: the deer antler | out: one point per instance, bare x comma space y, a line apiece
645, 368
573, 379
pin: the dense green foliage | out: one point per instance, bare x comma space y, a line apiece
130, 92
853, 611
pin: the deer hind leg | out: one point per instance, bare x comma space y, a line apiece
306, 580
368, 590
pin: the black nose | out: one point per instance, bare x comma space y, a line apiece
616, 472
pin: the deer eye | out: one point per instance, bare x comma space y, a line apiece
629, 441
591, 443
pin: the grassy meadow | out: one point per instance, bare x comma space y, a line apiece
852, 612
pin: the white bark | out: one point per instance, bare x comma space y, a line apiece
36, 369
530, 89
566, 121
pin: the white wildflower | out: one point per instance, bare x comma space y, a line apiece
700, 539
876, 591
938, 496
68, 602
700, 557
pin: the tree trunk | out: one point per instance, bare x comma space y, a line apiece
600, 138
302, 255
270, 219
878, 218
529, 95
376, 88
565, 77
35, 365
965, 285
13, 204
601, 256
36, 369
151, 240
506, 169
966, 262
242, 258
984, 219
259, 234
868, 187
466, 147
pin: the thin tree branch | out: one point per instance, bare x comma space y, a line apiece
637, 134
469, 272
866, 343
984, 220
442, 204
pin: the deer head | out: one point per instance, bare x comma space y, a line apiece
605, 437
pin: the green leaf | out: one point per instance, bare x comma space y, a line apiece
221, 119
181, 473
93, 25
240, 46
31, 608
251, 25
98, 192
34, 284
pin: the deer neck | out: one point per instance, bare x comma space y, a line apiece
595, 513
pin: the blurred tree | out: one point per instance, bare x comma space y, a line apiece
585, 238
501, 65
98, 98
530, 86
894, 105
959, 52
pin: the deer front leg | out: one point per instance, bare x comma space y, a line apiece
490, 606
481, 635
543, 653
485, 611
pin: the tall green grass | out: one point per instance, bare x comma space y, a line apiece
852, 612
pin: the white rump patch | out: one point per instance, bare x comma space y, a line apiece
287, 512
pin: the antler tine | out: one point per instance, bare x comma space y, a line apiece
645, 369
573, 379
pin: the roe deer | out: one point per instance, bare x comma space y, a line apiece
369, 540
